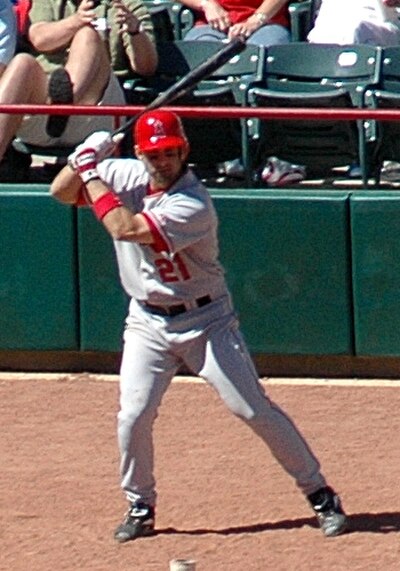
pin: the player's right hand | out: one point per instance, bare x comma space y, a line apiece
101, 142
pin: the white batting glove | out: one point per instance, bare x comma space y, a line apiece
101, 142
86, 164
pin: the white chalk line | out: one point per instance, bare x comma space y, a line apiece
289, 381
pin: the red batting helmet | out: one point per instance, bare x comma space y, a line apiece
159, 130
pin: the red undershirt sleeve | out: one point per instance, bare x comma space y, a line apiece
159, 244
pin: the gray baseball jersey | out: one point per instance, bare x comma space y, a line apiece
183, 263
180, 270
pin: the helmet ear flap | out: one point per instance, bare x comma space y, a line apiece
158, 130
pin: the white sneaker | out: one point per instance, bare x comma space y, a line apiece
282, 173
232, 169
391, 171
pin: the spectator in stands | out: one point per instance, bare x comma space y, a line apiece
262, 23
80, 50
374, 22
21, 10
8, 34
259, 22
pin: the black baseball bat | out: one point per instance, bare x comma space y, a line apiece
188, 81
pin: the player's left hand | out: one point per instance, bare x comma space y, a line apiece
86, 164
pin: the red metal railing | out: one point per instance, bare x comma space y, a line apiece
209, 112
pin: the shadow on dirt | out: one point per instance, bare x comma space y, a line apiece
387, 522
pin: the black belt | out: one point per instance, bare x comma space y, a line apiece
177, 309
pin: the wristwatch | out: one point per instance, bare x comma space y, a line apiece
261, 17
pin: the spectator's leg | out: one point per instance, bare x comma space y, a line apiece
266, 36
205, 33
270, 35
24, 81
88, 66
377, 35
83, 80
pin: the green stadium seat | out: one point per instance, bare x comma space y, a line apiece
216, 140
387, 96
317, 75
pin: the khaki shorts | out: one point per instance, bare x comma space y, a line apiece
33, 127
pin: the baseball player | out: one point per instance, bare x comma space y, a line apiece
164, 228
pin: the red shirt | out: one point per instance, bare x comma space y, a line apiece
240, 10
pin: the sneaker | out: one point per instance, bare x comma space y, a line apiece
281, 173
60, 91
354, 171
328, 509
232, 169
139, 522
391, 171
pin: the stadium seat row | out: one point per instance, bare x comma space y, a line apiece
298, 74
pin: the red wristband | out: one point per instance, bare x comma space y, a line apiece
105, 204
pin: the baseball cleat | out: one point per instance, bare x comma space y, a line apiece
139, 522
328, 509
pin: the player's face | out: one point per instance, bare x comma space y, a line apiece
164, 165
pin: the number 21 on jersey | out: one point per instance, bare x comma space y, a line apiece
172, 270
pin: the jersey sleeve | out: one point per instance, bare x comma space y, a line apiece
127, 178
179, 221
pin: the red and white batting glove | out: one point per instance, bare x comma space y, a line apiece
86, 165
101, 142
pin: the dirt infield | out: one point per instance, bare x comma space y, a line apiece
223, 500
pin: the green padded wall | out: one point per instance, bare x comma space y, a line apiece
287, 257
375, 222
38, 288
287, 260
103, 304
